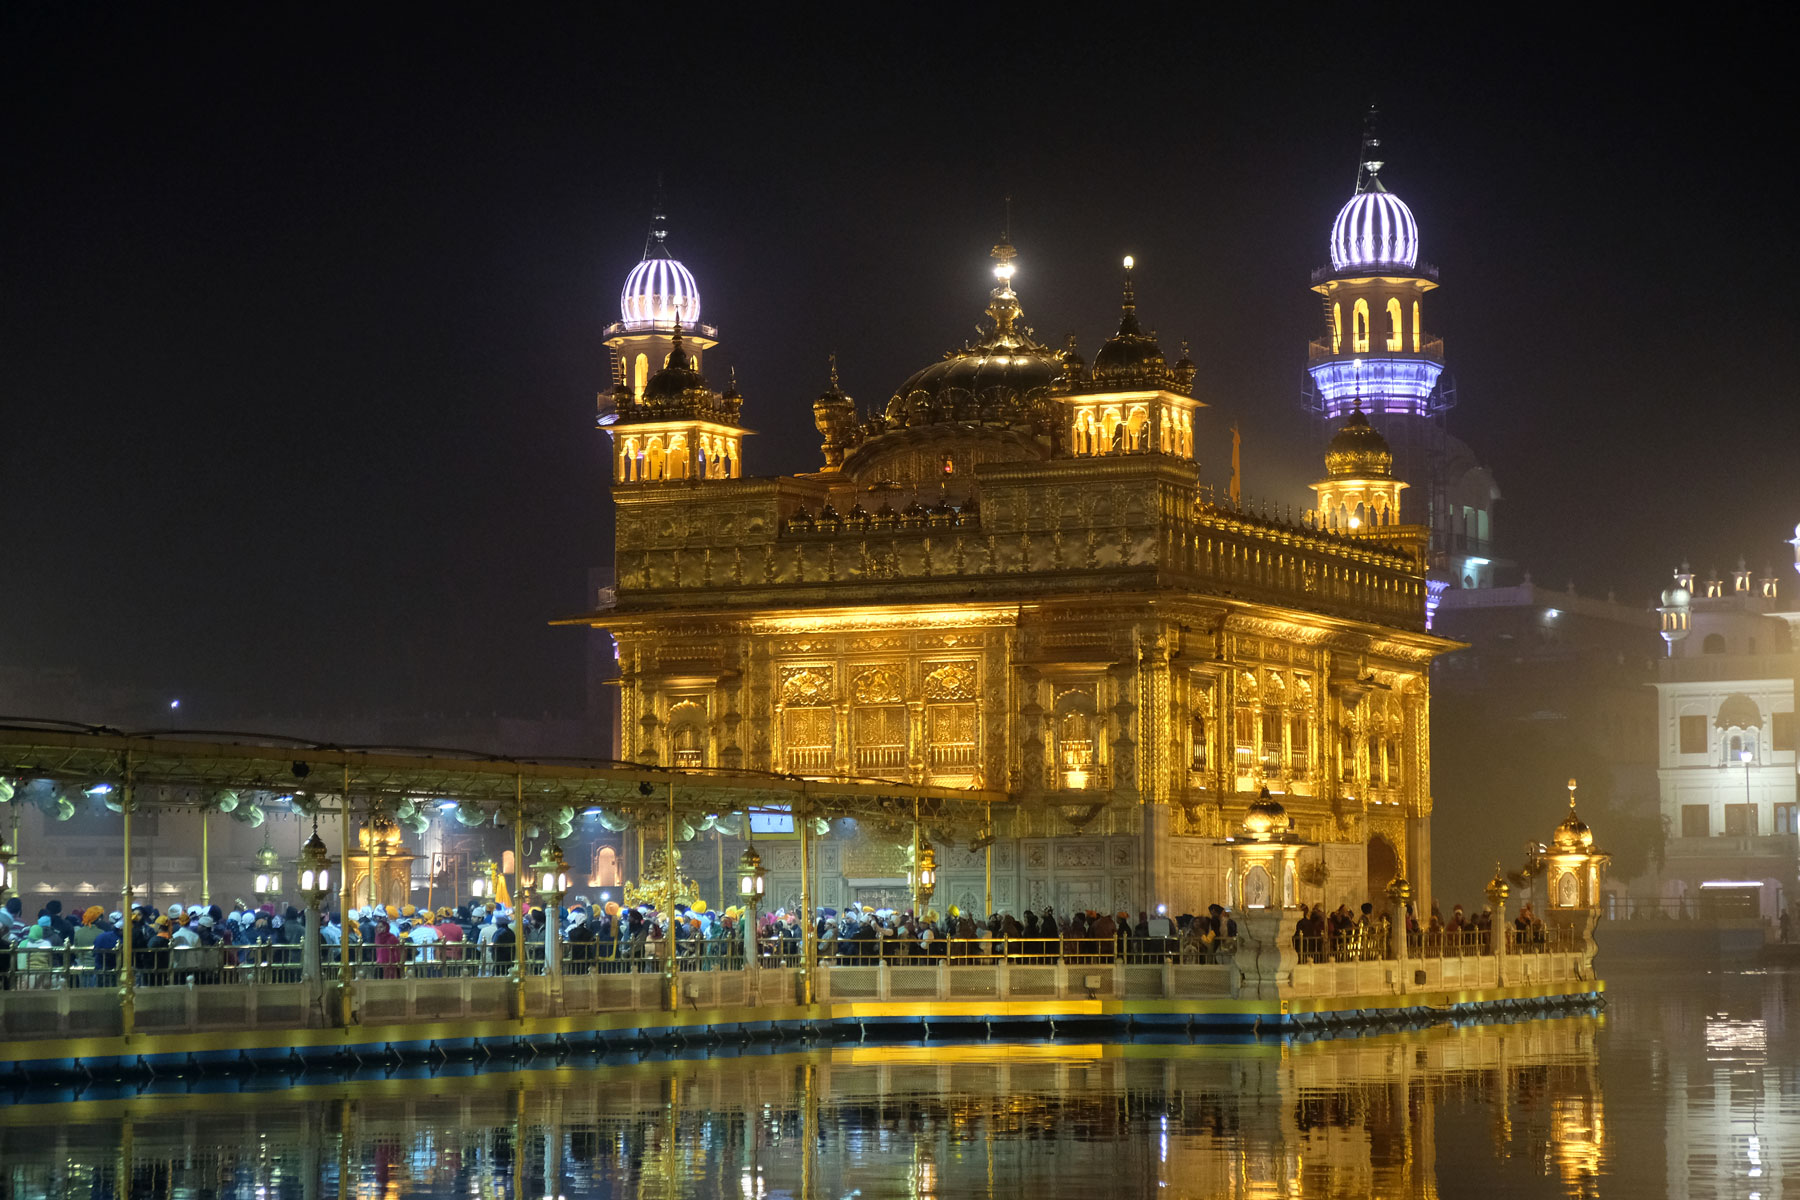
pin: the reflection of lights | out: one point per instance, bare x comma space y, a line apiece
1580, 1137
1731, 1039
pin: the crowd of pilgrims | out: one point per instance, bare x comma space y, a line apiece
1342, 933
486, 937
59, 947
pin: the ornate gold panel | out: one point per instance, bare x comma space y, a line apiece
950, 681
805, 686
878, 685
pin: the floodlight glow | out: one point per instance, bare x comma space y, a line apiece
1129, 262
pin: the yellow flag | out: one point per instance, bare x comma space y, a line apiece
500, 896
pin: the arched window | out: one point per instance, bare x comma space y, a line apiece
1075, 757
1359, 328
1396, 336
1337, 328
653, 459
1418, 334
1714, 643
641, 376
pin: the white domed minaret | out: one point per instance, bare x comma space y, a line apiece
1379, 356
657, 294
666, 422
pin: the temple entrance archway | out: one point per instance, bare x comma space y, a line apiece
605, 871
1384, 864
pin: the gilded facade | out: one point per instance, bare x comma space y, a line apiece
1011, 576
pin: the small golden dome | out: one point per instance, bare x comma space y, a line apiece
1359, 451
1266, 816
1573, 836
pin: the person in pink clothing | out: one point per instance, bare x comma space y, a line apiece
387, 948
450, 938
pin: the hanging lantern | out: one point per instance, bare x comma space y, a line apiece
268, 873
482, 886
926, 874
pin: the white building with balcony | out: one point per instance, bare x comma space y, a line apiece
1726, 744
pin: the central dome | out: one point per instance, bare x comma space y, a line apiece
1002, 379
1374, 230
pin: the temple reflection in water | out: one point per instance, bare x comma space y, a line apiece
1335, 1118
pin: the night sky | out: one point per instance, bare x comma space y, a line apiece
301, 324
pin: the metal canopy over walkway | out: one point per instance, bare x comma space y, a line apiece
188, 770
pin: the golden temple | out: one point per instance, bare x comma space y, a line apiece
1012, 577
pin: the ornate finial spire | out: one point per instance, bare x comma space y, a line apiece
832, 358
678, 359
654, 246
1004, 308
1368, 166
1128, 322
1571, 795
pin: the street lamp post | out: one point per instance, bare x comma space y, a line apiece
315, 885
750, 890
552, 881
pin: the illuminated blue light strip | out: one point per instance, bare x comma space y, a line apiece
1381, 384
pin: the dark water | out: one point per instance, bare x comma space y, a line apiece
1688, 1086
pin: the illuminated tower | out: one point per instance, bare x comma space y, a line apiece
658, 293
1379, 356
666, 421
1131, 401
1359, 491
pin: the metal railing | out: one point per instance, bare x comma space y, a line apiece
991, 950
40, 969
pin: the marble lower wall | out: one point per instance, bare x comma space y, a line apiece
1067, 874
